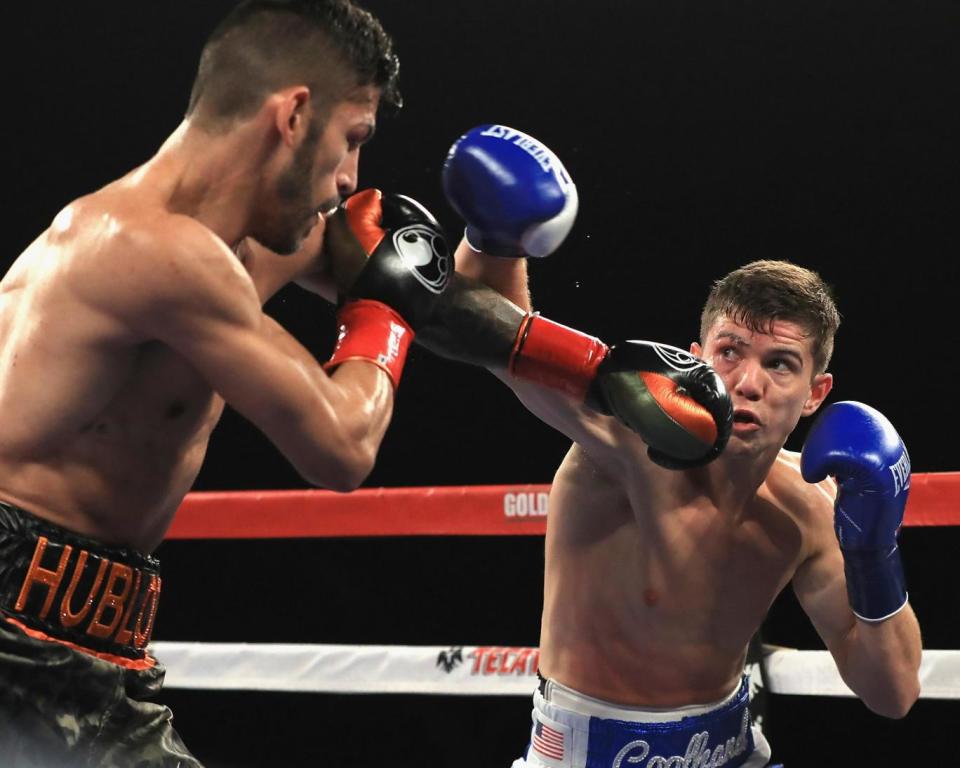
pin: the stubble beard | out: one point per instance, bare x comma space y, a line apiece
293, 214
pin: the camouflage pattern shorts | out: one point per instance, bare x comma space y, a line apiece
60, 708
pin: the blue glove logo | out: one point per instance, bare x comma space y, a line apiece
901, 474
528, 144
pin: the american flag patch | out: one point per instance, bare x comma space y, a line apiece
547, 741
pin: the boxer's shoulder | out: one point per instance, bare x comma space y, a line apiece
125, 257
784, 486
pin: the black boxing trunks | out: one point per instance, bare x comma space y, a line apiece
56, 585
75, 619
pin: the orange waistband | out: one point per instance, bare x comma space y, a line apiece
146, 662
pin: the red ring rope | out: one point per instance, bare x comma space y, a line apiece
487, 510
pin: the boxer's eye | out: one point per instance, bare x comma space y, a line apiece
784, 364
728, 353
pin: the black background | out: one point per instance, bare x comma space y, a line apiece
701, 135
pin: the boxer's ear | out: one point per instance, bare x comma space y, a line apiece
819, 389
292, 110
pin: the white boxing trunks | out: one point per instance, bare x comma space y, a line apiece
571, 730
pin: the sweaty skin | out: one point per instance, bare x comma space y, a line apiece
656, 580
128, 321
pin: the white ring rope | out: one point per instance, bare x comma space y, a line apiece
464, 670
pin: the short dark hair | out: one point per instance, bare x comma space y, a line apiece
332, 46
761, 292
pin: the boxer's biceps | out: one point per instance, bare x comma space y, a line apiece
820, 587
602, 436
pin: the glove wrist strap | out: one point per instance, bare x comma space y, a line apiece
556, 356
489, 245
876, 587
372, 332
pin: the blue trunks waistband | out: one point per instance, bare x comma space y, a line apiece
718, 737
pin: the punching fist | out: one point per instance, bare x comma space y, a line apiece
860, 448
391, 260
674, 401
514, 194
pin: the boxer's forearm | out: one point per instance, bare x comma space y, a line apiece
505, 275
472, 323
880, 662
481, 310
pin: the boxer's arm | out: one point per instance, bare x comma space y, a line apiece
189, 292
878, 661
476, 322
859, 447
334, 440
675, 403
477, 317
518, 200
505, 275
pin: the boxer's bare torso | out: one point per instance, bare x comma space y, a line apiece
656, 580
105, 430
652, 590
128, 321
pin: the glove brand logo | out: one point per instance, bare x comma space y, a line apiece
901, 474
544, 157
393, 344
450, 659
676, 358
423, 251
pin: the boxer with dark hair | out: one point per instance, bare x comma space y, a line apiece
661, 563
129, 322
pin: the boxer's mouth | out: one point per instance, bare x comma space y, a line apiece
744, 416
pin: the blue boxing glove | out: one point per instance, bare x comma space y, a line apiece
862, 450
514, 194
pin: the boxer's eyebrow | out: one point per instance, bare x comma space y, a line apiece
736, 338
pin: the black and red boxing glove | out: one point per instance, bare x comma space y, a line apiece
673, 400
398, 263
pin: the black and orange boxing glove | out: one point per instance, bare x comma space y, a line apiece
391, 254
673, 400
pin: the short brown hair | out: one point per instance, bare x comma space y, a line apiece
262, 46
761, 292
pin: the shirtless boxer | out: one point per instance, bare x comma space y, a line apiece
656, 579
126, 325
